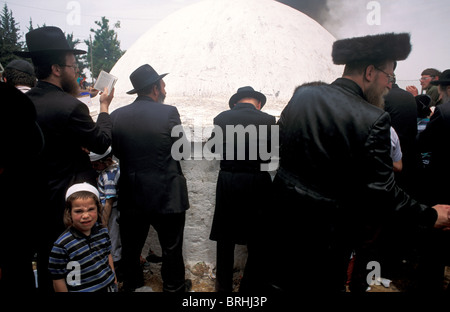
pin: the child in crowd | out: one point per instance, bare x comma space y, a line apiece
107, 184
80, 260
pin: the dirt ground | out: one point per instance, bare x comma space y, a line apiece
203, 279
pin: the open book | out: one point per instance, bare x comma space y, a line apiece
105, 80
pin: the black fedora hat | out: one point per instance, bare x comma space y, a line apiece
46, 40
244, 92
444, 79
142, 77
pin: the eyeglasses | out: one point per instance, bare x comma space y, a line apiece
391, 78
75, 67
425, 78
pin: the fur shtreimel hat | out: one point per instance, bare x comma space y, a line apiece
391, 46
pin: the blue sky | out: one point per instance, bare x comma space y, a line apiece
427, 21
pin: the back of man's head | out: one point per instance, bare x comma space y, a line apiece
19, 73
43, 63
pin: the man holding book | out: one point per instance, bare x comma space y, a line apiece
153, 189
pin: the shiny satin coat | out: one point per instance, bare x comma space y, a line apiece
335, 188
335, 146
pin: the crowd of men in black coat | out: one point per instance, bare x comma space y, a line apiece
334, 195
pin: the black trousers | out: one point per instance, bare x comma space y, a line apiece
434, 256
310, 250
253, 278
224, 266
134, 227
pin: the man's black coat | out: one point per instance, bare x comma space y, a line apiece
150, 179
335, 186
402, 108
434, 139
242, 188
67, 128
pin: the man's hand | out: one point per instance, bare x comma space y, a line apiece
413, 90
443, 220
105, 100
93, 92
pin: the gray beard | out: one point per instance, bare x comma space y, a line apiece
161, 98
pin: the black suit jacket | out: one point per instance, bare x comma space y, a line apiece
402, 108
67, 127
435, 139
150, 179
244, 114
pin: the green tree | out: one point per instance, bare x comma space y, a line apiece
30, 25
104, 50
9, 36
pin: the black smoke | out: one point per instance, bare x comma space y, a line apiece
316, 9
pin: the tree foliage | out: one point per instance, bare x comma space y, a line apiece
103, 51
104, 48
9, 36
73, 45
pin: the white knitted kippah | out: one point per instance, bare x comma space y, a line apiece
94, 156
82, 187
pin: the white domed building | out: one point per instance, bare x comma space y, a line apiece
210, 49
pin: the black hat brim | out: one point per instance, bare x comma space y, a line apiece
245, 94
149, 82
46, 52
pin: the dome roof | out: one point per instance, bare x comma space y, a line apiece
213, 47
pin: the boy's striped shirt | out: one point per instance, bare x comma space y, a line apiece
89, 252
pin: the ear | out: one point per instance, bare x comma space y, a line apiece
370, 73
155, 90
57, 70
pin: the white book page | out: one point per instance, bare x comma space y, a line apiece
105, 80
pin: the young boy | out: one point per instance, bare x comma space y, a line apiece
80, 260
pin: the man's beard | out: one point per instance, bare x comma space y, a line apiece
70, 85
161, 98
375, 96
